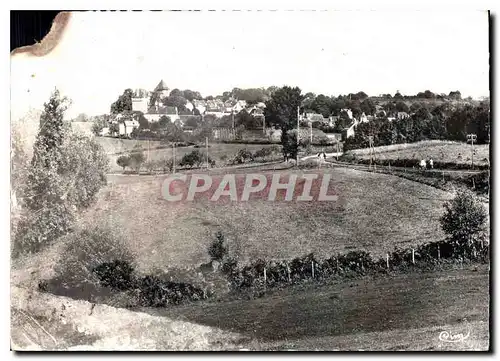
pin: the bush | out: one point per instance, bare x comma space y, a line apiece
194, 158
123, 161
464, 222
86, 251
155, 292
117, 274
217, 249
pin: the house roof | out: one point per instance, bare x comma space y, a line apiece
161, 86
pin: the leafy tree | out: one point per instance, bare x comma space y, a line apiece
193, 122
398, 95
123, 103
114, 128
143, 122
415, 106
137, 157
402, 107
281, 111
194, 158
123, 161
322, 105
248, 121
98, 123
66, 171
455, 95
465, 220
308, 101
175, 101
289, 142
164, 121
368, 106
218, 250
191, 95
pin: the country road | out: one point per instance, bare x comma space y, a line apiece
402, 169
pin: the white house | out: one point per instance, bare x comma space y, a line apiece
127, 126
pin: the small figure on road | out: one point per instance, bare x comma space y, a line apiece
431, 163
423, 164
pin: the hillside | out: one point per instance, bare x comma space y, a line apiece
374, 212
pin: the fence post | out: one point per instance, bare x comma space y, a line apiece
265, 277
288, 272
387, 258
439, 252
413, 256
312, 268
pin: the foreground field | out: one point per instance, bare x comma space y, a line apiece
375, 212
400, 312
387, 312
442, 151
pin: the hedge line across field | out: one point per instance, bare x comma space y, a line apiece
279, 273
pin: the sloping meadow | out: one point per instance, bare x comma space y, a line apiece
373, 212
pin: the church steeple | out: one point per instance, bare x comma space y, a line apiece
161, 86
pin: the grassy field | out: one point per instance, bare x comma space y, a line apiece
117, 145
375, 212
215, 151
400, 312
442, 151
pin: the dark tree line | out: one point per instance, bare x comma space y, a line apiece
443, 122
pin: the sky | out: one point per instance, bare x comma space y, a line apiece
329, 52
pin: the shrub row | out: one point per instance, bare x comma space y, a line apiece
354, 263
150, 291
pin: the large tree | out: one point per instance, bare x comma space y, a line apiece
66, 171
281, 111
123, 103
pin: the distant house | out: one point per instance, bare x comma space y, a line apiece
172, 113
351, 130
218, 112
184, 117
239, 106
140, 100
104, 132
334, 137
127, 126
274, 134
256, 112
200, 105
348, 111
402, 115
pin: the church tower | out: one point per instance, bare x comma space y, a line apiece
161, 89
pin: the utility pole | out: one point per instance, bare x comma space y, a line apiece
311, 132
148, 150
370, 140
298, 128
207, 150
173, 156
232, 115
471, 138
